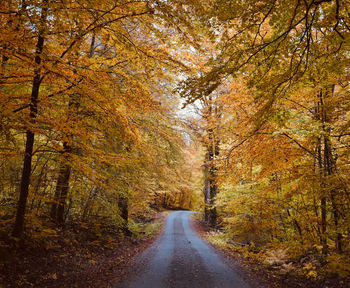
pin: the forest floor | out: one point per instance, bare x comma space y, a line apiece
74, 259
264, 274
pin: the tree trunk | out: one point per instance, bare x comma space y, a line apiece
123, 204
212, 210
211, 169
53, 212
213, 151
28, 155
64, 190
62, 187
329, 165
206, 190
319, 116
323, 204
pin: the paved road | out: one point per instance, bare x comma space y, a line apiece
179, 258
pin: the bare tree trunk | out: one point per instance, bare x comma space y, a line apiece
213, 191
211, 169
213, 151
62, 187
123, 204
165, 204
63, 195
319, 116
28, 155
54, 204
206, 190
329, 165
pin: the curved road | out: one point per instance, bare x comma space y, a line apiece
179, 258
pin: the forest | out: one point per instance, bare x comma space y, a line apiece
114, 110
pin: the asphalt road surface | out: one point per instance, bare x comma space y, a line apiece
179, 258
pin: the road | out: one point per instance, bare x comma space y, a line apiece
180, 258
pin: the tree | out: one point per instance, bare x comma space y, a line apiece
97, 64
287, 85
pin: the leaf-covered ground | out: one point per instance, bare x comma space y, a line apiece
74, 259
266, 276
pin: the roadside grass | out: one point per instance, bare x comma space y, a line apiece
141, 230
275, 264
146, 229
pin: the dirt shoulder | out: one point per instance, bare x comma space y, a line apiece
72, 262
259, 275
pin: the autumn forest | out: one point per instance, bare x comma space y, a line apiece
115, 112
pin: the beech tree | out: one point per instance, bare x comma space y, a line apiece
285, 70
88, 65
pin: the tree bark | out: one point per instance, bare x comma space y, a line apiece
62, 188
213, 152
206, 190
63, 195
123, 204
28, 154
329, 165
323, 205
323, 235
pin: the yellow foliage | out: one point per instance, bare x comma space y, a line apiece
338, 264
